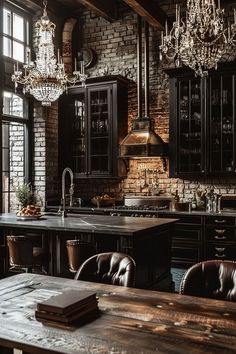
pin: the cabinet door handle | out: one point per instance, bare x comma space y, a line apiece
220, 221
220, 232
220, 255
220, 249
220, 237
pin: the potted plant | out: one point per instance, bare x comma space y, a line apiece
25, 194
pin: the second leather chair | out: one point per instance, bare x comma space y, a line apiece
212, 279
109, 268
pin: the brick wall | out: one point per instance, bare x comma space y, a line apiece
115, 47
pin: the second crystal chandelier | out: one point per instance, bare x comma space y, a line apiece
201, 39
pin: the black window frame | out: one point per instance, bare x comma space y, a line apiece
27, 42
19, 9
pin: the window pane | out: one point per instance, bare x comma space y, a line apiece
6, 47
13, 105
13, 164
5, 136
18, 52
5, 160
7, 22
18, 27
27, 33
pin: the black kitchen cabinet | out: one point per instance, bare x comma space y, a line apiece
93, 121
220, 238
187, 239
202, 124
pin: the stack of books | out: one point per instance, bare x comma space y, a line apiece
67, 307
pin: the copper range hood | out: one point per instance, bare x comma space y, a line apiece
142, 141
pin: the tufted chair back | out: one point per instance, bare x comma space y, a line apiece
212, 279
109, 268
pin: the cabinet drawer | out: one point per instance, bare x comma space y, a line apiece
184, 219
220, 220
220, 234
187, 233
218, 251
186, 254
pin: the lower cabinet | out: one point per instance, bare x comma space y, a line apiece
201, 237
220, 238
187, 240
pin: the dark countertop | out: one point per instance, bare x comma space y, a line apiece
103, 210
199, 212
103, 224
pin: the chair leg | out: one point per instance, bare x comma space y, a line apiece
44, 270
28, 270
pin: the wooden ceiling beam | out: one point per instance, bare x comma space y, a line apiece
52, 6
150, 11
103, 8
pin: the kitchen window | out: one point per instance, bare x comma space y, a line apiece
14, 147
15, 33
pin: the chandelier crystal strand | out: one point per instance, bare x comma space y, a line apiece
45, 78
201, 39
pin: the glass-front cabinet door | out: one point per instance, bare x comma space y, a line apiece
78, 134
92, 121
100, 128
221, 124
202, 124
190, 126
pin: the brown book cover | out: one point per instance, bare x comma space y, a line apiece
43, 315
67, 302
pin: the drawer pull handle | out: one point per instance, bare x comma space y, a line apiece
220, 249
220, 255
220, 231
220, 221
220, 237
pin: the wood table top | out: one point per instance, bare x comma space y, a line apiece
118, 225
130, 321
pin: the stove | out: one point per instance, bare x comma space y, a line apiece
146, 211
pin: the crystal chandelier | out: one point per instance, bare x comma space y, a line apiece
201, 39
45, 78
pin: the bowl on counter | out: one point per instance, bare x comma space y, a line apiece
179, 206
101, 201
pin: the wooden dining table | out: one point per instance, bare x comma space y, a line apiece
130, 320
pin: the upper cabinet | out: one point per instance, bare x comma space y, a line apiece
93, 121
202, 124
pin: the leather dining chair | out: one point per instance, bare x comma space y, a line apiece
109, 268
23, 255
78, 251
211, 279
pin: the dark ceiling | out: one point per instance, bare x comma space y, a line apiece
109, 9
150, 10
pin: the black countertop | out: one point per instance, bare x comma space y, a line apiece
105, 210
102, 224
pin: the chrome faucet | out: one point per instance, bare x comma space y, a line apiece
63, 191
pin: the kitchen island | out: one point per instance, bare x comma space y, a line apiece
148, 241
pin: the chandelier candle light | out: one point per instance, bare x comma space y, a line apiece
45, 78
201, 39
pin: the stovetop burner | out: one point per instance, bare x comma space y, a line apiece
141, 207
